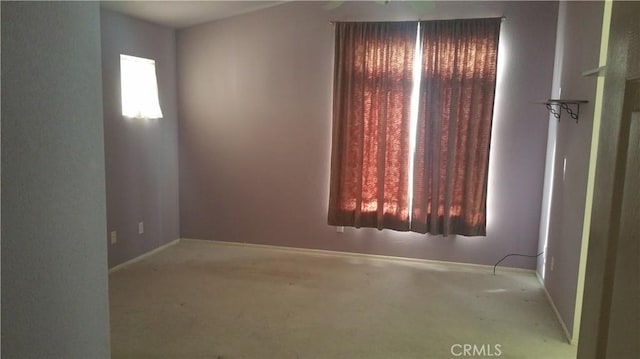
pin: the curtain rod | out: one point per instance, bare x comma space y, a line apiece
503, 18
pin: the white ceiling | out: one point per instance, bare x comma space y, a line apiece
178, 14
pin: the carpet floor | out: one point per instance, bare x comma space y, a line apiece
202, 299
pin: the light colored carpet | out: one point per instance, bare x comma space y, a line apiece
200, 299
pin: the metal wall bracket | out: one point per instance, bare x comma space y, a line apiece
571, 107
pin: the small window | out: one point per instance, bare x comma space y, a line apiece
139, 87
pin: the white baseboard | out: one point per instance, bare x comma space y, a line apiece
568, 335
142, 256
365, 255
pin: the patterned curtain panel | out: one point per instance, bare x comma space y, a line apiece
373, 80
454, 126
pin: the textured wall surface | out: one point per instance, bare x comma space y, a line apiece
255, 124
579, 50
54, 257
141, 155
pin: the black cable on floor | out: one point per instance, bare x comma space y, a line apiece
514, 254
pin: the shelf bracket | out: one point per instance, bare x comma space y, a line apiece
571, 107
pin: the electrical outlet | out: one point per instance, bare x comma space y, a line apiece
340, 229
553, 263
114, 237
140, 227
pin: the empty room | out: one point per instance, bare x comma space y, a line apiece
320, 179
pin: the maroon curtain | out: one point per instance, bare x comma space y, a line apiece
371, 110
454, 126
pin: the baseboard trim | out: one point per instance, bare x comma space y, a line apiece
142, 256
568, 335
365, 255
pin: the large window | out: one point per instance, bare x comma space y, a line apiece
413, 104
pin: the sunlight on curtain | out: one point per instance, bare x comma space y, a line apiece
413, 108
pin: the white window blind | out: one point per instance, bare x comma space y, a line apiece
139, 87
